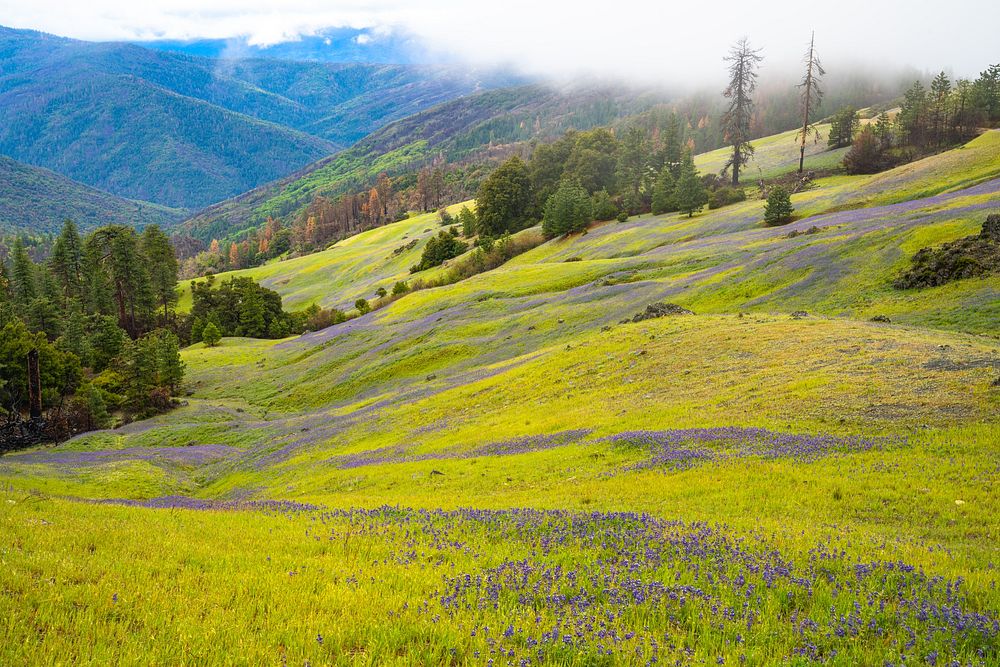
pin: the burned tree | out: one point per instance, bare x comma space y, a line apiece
812, 94
743, 62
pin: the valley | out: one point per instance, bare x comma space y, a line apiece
478, 370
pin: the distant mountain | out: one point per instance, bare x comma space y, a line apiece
38, 200
456, 130
187, 131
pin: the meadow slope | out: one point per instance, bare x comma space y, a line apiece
508, 470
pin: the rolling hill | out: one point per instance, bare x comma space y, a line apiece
467, 126
515, 467
40, 200
186, 131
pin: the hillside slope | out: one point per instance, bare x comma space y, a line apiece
453, 130
39, 200
187, 131
723, 260
512, 468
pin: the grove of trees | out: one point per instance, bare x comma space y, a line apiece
99, 313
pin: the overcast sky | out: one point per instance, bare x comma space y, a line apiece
665, 40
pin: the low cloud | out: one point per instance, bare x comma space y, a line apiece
670, 42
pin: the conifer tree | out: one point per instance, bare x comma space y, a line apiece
4, 283
22, 276
633, 162
939, 102
670, 154
74, 338
568, 210
743, 62
913, 115
251, 316
106, 341
664, 192
691, 195
210, 335
170, 368
778, 209
843, 125
197, 327
811, 96
162, 267
96, 407
66, 262
504, 199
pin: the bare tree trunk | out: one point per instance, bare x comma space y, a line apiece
34, 387
813, 70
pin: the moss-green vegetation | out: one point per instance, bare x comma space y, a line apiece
838, 464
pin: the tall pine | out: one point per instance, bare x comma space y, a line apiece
736, 121
66, 263
23, 288
691, 195
162, 264
811, 96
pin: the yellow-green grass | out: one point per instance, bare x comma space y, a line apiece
531, 349
359, 264
776, 155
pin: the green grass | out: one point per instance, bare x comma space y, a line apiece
357, 265
777, 155
426, 385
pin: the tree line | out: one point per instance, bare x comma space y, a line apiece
99, 313
929, 120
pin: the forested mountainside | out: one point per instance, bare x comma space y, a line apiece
485, 123
186, 131
471, 132
39, 200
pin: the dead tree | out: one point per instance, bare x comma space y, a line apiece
812, 94
743, 62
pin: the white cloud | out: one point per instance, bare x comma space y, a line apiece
646, 40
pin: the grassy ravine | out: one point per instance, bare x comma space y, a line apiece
500, 470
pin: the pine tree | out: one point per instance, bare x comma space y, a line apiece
170, 368
913, 115
162, 267
468, 220
504, 199
116, 252
210, 335
74, 337
43, 316
664, 200
633, 162
138, 368
197, 327
568, 210
843, 125
939, 102
778, 209
812, 94
883, 131
4, 283
23, 277
743, 62
251, 316
106, 342
691, 195
670, 155
96, 407
66, 263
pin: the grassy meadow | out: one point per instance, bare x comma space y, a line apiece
507, 470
